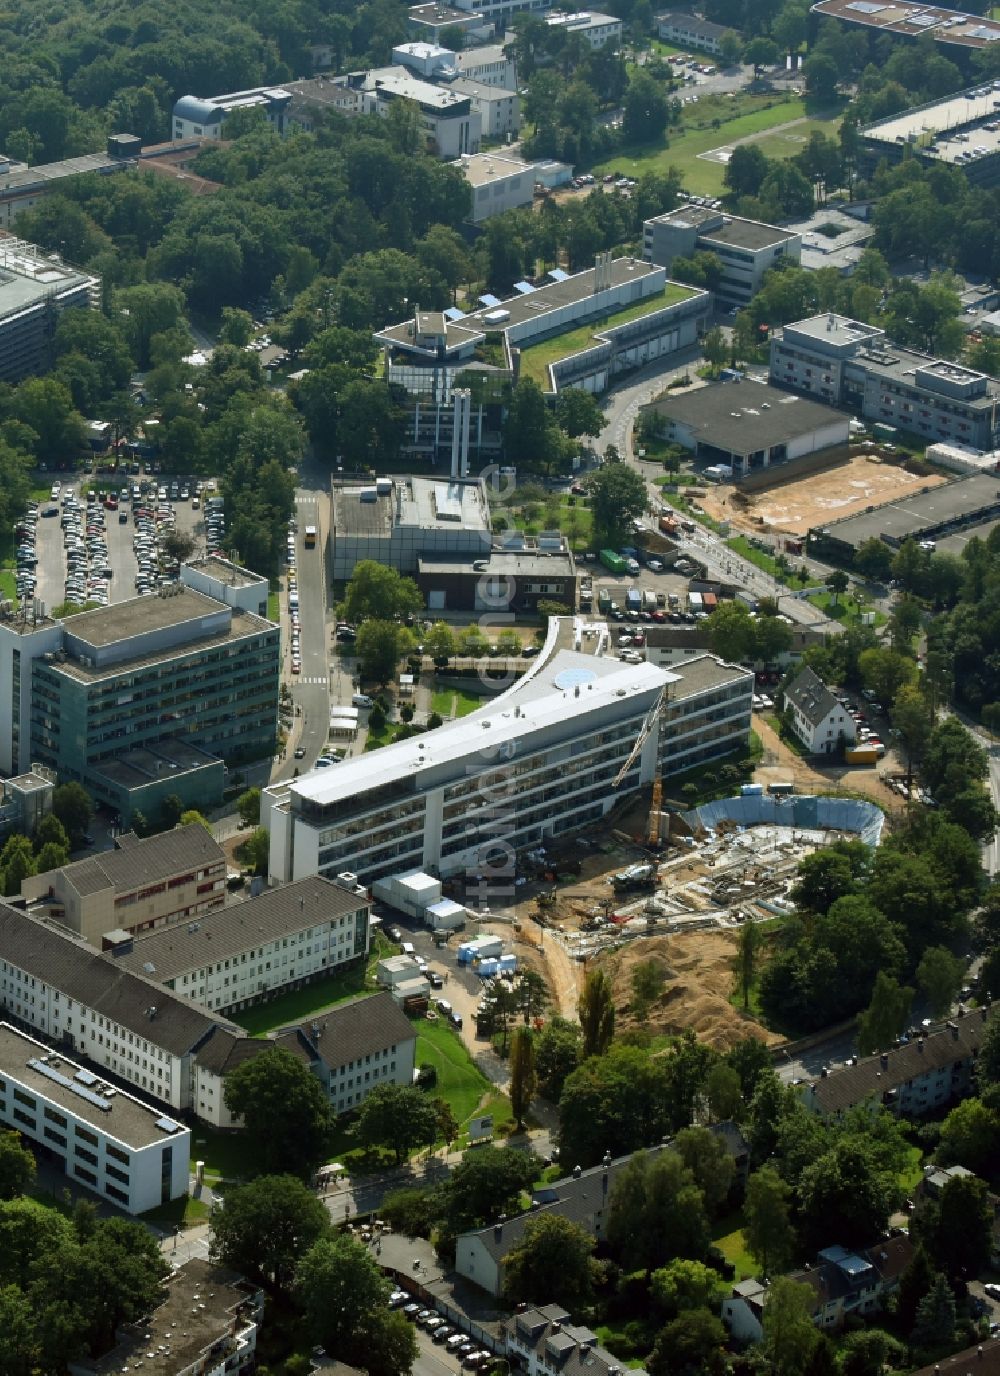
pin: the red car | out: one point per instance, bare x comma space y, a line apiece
578, 490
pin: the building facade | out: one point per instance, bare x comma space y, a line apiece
227, 583
25, 800
177, 876
35, 287
545, 1342
397, 521
103, 1138
850, 364
745, 248
597, 30
23, 188
821, 723
141, 699
690, 31
497, 182
556, 741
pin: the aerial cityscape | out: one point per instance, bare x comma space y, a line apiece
500, 689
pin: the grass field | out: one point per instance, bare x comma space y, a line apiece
733, 1248
298, 1004
448, 702
536, 359
459, 1079
705, 130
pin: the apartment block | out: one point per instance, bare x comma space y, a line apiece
140, 699
597, 30
23, 188
34, 288
850, 364
745, 248
490, 64
102, 1137
545, 1342
690, 31
537, 763
140, 885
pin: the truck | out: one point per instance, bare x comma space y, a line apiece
695, 603
613, 561
709, 602
635, 877
586, 599
673, 602
648, 600
633, 600
861, 754
603, 601
668, 524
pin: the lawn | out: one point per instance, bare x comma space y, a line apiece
912, 1173
273, 610
567, 513
449, 702
299, 1004
706, 128
459, 1079
844, 609
733, 1247
179, 1213
535, 360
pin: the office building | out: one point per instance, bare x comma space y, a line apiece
517, 579
439, 802
206, 1323
746, 249
499, 182
667, 646
244, 953
690, 31
501, 12
25, 800
34, 288
141, 699
196, 117
545, 1341
450, 125
137, 887
431, 21
23, 188
919, 1077
909, 20
489, 64
499, 110
960, 131
597, 30
102, 1137
227, 583
850, 364
396, 521
747, 428
822, 725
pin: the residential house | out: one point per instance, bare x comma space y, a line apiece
597, 30
544, 1342
670, 645
820, 722
690, 31
844, 1284
910, 1080
981, 1360
141, 885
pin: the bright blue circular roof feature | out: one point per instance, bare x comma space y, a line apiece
574, 678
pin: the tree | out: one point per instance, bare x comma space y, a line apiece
693, 1344
723, 1092
50, 831
17, 1166
970, 1137
407, 1210
557, 1054
767, 1231
73, 807
617, 498
914, 1283
487, 1182
377, 592
847, 1192
616, 1103
885, 672
192, 817
957, 1226
746, 170
746, 960
439, 642
886, 1015
647, 986
682, 1285
645, 108
398, 1117
531, 435
790, 1337
177, 544
939, 977
732, 632
248, 806
838, 583
579, 412
17, 863
870, 1352
873, 559
551, 1264
730, 48
285, 1110
656, 1212
711, 1165
267, 1227
935, 1318
522, 1074
379, 646
912, 722
828, 875
255, 851
343, 1295
716, 348
761, 52
821, 76
20, 1349
597, 1013
446, 1125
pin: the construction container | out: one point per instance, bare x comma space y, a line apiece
861, 754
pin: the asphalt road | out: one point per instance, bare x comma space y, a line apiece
310, 688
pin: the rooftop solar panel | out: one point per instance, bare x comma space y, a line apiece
488, 300
523, 287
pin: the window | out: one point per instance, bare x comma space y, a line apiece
84, 1174
55, 1117
25, 1099
87, 1155
85, 1134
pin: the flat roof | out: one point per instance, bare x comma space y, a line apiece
225, 571
20, 179
400, 81
478, 169
140, 615
741, 418
835, 329
735, 230
909, 18
239, 626
28, 275
952, 502
502, 563
703, 675
66, 1083
956, 130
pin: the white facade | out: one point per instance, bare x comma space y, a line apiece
498, 183
499, 109
449, 123
20, 643
595, 29
690, 31
104, 1139
489, 64
227, 582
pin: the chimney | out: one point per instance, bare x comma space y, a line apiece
884, 1060
920, 1045
577, 1172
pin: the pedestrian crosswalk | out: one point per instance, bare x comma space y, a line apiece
306, 679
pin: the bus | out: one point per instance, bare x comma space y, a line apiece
310, 537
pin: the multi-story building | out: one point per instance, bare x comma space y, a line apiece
545, 1342
499, 110
745, 248
246, 952
23, 188
821, 723
850, 364
25, 800
141, 699
450, 125
537, 763
102, 1137
597, 30
667, 646
911, 1080
910, 20
197, 117
690, 31
206, 1324
491, 64
499, 182
397, 521
432, 21
34, 288
227, 582
174, 877
959, 131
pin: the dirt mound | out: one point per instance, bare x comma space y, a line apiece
699, 980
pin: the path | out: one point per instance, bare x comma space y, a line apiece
563, 974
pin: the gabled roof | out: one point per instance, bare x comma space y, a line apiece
811, 696
351, 1030
147, 861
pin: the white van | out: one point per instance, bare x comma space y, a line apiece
408, 948
362, 700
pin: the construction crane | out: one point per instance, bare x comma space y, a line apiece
656, 802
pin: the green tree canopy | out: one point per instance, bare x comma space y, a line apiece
284, 1108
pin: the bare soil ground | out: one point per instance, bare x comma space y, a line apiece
698, 969
779, 763
802, 502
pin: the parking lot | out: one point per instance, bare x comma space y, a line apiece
91, 542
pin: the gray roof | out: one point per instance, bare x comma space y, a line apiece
705, 674
237, 927
948, 508
226, 1049
197, 110
353, 1029
137, 862
741, 418
64, 962
140, 615
502, 564
564, 1347
693, 23
811, 696
225, 571
875, 1076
